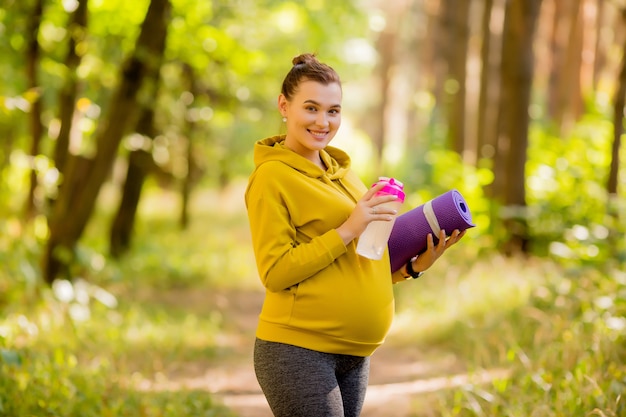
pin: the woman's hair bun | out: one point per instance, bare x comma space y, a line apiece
304, 59
306, 67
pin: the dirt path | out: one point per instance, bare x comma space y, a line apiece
400, 378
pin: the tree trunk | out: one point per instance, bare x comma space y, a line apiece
618, 122
517, 77
124, 220
442, 44
385, 45
77, 30
567, 104
417, 75
75, 204
140, 162
589, 19
36, 128
489, 99
564, 96
190, 126
458, 12
187, 185
557, 42
484, 113
7, 131
599, 50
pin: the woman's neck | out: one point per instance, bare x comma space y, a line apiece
313, 156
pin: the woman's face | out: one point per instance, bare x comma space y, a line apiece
313, 117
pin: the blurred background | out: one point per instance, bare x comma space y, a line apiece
126, 136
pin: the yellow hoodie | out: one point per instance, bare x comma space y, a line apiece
320, 294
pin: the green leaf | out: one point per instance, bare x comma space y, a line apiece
10, 357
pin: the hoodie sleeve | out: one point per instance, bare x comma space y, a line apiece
281, 260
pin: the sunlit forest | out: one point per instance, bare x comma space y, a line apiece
128, 286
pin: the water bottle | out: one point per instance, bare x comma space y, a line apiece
373, 241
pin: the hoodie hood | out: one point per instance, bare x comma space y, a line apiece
274, 149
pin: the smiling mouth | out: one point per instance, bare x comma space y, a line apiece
319, 135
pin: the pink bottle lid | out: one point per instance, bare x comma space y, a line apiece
392, 187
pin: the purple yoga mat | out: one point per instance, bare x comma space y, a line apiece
449, 211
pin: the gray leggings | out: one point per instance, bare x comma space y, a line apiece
299, 382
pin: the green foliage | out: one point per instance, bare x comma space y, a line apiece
570, 358
56, 384
96, 348
211, 251
76, 352
557, 332
554, 337
570, 215
238, 52
569, 208
80, 348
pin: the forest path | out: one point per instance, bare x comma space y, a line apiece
399, 377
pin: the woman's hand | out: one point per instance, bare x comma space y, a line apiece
434, 252
368, 209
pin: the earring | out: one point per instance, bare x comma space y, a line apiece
284, 120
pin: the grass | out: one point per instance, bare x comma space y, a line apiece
86, 348
559, 332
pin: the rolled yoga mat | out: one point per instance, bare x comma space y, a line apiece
449, 211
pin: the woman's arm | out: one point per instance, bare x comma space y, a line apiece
281, 261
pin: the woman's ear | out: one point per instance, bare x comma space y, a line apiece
282, 105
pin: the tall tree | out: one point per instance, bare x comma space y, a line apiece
417, 74
599, 48
618, 121
516, 78
33, 53
140, 161
386, 44
489, 86
441, 39
84, 178
485, 72
77, 30
456, 23
564, 97
189, 129
139, 165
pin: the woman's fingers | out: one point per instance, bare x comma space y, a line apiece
442, 239
372, 191
455, 237
434, 252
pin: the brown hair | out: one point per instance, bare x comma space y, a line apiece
306, 67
